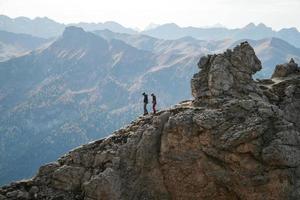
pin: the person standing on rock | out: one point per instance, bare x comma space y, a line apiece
292, 60
145, 103
153, 103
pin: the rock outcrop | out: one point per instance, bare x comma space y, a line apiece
238, 139
226, 76
286, 69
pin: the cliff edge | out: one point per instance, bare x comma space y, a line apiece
238, 139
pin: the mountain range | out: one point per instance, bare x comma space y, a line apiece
251, 31
270, 50
14, 45
80, 86
45, 27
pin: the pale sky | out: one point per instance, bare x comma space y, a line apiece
139, 13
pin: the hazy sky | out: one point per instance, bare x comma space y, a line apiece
139, 13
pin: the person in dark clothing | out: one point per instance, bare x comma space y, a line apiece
145, 103
153, 103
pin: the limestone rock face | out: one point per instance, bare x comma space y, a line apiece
226, 75
239, 139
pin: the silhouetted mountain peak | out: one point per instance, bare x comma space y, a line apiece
151, 26
250, 26
44, 20
112, 23
170, 25
289, 30
73, 31
262, 25
76, 35
75, 42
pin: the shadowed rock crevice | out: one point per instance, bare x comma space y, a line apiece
239, 139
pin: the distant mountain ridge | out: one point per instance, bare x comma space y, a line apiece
113, 26
45, 27
14, 45
251, 31
40, 27
270, 50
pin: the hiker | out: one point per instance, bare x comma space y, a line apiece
292, 60
145, 103
153, 103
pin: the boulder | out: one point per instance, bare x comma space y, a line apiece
284, 70
67, 178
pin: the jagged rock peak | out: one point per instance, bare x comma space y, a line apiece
286, 69
75, 42
76, 35
73, 31
226, 75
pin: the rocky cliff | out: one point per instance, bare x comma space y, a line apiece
238, 139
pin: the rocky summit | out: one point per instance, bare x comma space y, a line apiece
239, 139
286, 69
